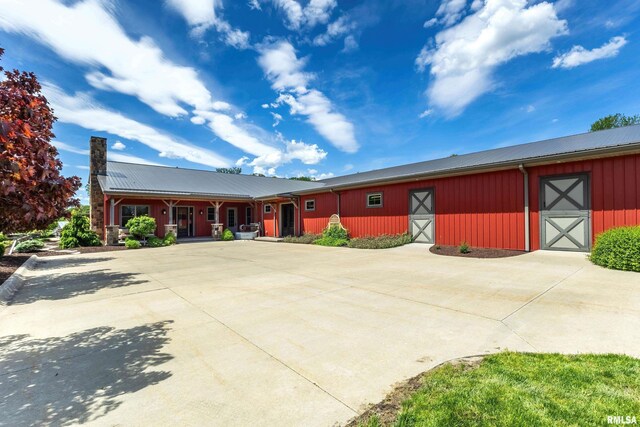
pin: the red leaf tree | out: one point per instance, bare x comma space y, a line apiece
33, 193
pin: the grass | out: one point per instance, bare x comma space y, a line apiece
306, 238
522, 389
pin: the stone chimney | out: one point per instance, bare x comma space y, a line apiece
97, 166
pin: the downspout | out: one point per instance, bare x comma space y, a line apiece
299, 216
527, 232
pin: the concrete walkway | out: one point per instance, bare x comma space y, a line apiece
255, 333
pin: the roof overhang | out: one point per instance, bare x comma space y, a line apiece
177, 196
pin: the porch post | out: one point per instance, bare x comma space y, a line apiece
112, 211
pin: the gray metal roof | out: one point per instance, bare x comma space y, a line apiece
130, 178
606, 139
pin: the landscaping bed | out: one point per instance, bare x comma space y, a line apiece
508, 389
474, 252
10, 263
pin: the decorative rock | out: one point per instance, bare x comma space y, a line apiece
111, 238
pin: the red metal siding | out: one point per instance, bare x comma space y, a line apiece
485, 210
614, 192
315, 221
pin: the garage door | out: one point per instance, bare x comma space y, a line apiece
421, 215
565, 213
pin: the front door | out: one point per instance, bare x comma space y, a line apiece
422, 215
565, 213
287, 221
232, 219
184, 220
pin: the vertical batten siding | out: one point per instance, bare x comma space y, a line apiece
315, 221
615, 182
484, 210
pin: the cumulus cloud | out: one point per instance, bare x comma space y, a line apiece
336, 29
463, 57
118, 145
426, 113
286, 73
350, 44
202, 15
309, 154
450, 11
83, 111
254, 5
297, 17
578, 55
277, 118
116, 157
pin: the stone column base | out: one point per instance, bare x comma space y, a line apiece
111, 237
171, 228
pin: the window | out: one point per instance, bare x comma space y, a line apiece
249, 215
310, 205
374, 200
231, 217
211, 214
267, 208
131, 211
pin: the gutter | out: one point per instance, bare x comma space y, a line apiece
527, 231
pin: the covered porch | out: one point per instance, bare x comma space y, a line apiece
186, 217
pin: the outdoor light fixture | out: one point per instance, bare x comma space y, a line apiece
164, 211
201, 212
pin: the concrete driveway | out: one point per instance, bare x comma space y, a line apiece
256, 333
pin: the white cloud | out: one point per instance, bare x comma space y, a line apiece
254, 5
285, 71
315, 12
116, 157
430, 23
578, 55
450, 11
277, 118
463, 58
350, 44
82, 111
240, 116
426, 113
530, 109
347, 167
308, 154
118, 145
265, 106
322, 176
336, 29
201, 15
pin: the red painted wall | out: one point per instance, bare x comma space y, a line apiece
615, 183
315, 221
202, 227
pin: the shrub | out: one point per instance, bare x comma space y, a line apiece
618, 248
132, 244
3, 247
333, 236
380, 242
227, 235
78, 232
141, 226
306, 238
32, 245
170, 239
3, 237
155, 242
464, 248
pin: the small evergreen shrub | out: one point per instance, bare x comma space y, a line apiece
170, 239
3, 247
306, 238
33, 245
380, 242
3, 238
155, 242
333, 236
464, 248
78, 232
227, 235
141, 226
132, 244
618, 248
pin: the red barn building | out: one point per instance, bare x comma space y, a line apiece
555, 194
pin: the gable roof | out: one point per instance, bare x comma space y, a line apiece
625, 137
136, 179
130, 178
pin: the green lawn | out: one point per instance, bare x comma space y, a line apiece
520, 389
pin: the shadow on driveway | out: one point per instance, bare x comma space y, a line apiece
79, 377
52, 263
69, 285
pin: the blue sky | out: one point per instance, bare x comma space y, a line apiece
320, 87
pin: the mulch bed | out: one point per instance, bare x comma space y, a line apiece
9, 264
474, 252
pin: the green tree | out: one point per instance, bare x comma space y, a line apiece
236, 170
614, 121
302, 178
